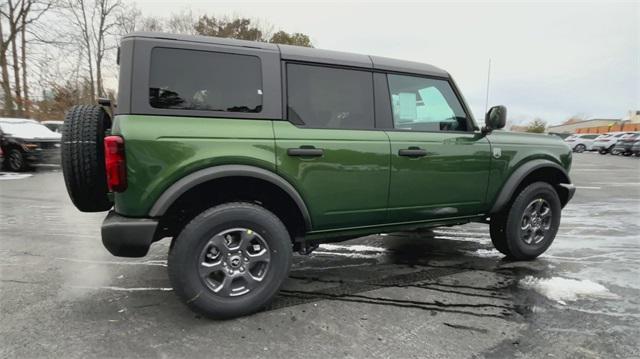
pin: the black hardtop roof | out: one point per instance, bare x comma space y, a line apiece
307, 54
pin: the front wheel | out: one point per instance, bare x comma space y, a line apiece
528, 227
580, 148
230, 260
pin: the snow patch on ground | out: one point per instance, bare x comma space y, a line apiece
562, 290
351, 251
14, 176
352, 248
485, 253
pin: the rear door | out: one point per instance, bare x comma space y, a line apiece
439, 165
329, 149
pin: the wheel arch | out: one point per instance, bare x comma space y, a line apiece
262, 182
533, 171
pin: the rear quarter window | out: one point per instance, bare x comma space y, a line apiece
325, 97
204, 80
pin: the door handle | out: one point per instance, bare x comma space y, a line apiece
413, 152
305, 151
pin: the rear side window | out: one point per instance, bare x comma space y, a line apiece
423, 104
590, 137
203, 80
323, 97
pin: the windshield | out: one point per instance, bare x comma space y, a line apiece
27, 129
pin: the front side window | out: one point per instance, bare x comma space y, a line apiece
206, 81
324, 97
422, 104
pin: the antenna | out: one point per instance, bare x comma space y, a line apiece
486, 102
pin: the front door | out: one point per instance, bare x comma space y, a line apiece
439, 165
329, 149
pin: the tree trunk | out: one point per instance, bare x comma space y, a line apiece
16, 75
99, 86
23, 64
6, 86
87, 43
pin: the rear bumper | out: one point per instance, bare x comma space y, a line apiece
602, 146
126, 236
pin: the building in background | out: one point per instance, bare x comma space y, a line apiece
631, 122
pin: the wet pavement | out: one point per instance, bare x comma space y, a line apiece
431, 294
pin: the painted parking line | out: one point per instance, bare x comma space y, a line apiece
588, 187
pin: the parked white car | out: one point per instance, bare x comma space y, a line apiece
605, 142
581, 142
55, 126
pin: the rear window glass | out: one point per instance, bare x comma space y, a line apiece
203, 80
324, 97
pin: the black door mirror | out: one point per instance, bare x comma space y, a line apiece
495, 118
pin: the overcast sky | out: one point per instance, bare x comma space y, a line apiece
550, 60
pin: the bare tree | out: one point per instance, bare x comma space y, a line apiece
182, 23
6, 84
106, 27
97, 22
19, 14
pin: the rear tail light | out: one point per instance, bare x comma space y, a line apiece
115, 163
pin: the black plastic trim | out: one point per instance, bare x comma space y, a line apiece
184, 184
519, 175
126, 236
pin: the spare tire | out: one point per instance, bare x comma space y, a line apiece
83, 157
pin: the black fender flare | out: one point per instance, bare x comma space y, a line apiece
189, 181
521, 173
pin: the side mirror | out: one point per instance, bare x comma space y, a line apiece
495, 119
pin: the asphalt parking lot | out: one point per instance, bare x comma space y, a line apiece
432, 294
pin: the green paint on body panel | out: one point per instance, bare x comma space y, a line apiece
360, 183
162, 149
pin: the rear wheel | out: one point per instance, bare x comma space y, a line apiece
528, 227
15, 160
230, 260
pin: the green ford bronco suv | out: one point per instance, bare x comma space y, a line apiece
243, 152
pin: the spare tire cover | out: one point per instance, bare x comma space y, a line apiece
83, 163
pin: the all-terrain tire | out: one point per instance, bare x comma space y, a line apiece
186, 255
498, 236
83, 163
506, 227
